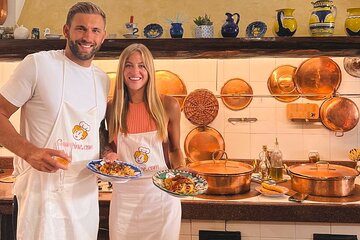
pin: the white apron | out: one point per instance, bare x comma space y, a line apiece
138, 209
72, 214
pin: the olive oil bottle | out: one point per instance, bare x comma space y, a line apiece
264, 164
276, 161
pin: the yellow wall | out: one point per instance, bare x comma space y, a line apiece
52, 13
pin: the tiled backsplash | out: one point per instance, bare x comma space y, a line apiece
244, 140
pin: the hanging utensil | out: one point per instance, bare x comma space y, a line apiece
233, 87
281, 81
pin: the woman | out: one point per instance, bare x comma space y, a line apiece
145, 128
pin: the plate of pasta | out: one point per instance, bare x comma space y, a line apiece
180, 183
117, 171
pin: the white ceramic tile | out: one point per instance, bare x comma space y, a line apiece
289, 61
216, 225
260, 69
107, 65
257, 141
340, 146
250, 238
262, 97
321, 143
266, 120
194, 237
247, 228
277, 230
237, 145
185, 228
234, 68
345, 228
306, 230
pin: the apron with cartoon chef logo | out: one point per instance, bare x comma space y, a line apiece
138, 203
70, 213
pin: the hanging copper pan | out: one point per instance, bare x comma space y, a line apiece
281, 82
339, 114
234, 87
319, 76
352, 66
169, 83
201, 107
201, 142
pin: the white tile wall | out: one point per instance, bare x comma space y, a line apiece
244, 140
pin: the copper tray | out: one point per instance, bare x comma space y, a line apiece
201, 142
352, 66
201, 107
233, 87
320, 76
281, 81
169, 83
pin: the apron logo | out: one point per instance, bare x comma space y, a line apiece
142, 155
80, 131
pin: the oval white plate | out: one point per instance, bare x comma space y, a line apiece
286, 190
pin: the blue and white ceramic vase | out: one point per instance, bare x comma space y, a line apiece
176, 30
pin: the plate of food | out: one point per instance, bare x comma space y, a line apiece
153, 30
117, 171
256, 29
180, 183
270, 190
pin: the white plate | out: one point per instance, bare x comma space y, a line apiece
201, 184
112, 178
131, 36
52, 36
286, 190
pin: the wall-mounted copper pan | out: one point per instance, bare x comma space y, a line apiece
224, 176
323, 179
352, 66
319, 76
201, 142
339, 114
169, 83
281, 82
235, 87
201, 107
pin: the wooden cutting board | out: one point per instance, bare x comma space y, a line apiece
302, 111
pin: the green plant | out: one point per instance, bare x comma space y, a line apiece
200, 20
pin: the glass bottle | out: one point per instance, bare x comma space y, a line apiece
264, 165
276, 169
314, 156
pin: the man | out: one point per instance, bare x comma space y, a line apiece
60, 94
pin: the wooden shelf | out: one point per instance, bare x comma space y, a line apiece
184, 48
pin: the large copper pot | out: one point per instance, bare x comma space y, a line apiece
224, 176
323, 179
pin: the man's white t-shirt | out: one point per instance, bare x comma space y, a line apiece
36, 86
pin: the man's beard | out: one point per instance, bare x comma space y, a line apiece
82, 56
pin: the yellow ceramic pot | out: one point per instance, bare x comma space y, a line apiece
322, 19
352, 22
285, 24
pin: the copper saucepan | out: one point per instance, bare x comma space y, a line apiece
224, 176
339, 114
323, 179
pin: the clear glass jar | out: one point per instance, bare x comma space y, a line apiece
314, 156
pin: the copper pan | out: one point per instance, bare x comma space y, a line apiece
201, 142
281, 81
201, 107
352, 66
339, 114
233, 87
320, 76
169, 83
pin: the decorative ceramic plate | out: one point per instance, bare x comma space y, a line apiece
92, 166
53, 36
352, 66
286, 190
153, 30
201, 184
256, 29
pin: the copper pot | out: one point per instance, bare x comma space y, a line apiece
224, 176
323, 179
339, 114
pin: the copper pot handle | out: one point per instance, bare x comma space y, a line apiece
323, 162
222, 153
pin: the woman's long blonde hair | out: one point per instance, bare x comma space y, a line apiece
120, 103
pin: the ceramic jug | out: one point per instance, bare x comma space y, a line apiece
176, 30
285, 24
230, 28
21, 32
352, 22
322, 19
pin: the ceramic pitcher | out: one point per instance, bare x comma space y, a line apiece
322, 19
285, 24
230, 28
352, 22
176, 30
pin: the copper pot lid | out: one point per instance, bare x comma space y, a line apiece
322, 171
233, 87
320, 76
281, 81
201, 142
201, 107
352, 66
339, 114
168, 83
